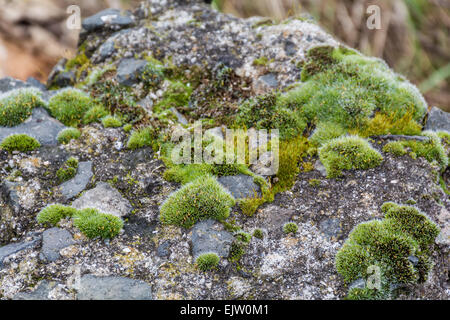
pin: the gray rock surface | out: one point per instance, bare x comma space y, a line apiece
73, 187
40, 126
41, 292
240, 186
113, 288
330, 227
210, 236
438, 120
109, 18
13, 248
106, 199
129, 71
53, 240
8, 83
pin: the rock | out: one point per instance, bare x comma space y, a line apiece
358, 283
210, 236
330, 227
163, 249
265, 165
414, 260
129, 71
113, 288
106, 50
73, 187
180, 117
53, 240
109, 18
8, 83
320, 167
40, 126
9, 191
240, 186
151, 184
64, 79
41, 292
438, 120
106, 199
270, 80
13, 248
33, 82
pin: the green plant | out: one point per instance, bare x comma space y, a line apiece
326, 131
395, 147
111, 122
347, 153
52, 214
69, 106
17, 105
19, 142
201, 199
290, 227
68, 170
140, 138
207, 261
176, 95
258, 233
68, 134
93, 224
128, 127
399, 246
94, 114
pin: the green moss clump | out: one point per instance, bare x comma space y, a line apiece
261, 61
258, 234
153, 72
326, 131
432, 150
347, 153
68, 134
94, 114
399, 245
290, 227
207, 261
17, 105
202, 199
69, 106
128, 127
177, 95
68, 170
51, 215
141, 138
111, 122
94, 224
262, 112
19, 142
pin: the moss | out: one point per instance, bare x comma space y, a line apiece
19, 142
347, 153
66, 135
94, 114
405, 232
326, 131
202, 199
262, 112
262, 61
51, 215
68, 170
153, 72
128, 127
69, 106
314, 182
94, 224
111, 122
258, 233
290, 227
177, 95
17, 105
207, 261
141, 138
431, 150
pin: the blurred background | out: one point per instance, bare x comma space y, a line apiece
414, 38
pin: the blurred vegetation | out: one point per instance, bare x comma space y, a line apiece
414, 38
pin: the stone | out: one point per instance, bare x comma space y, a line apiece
40, 126
438, 120
129, 71
265, 165
73, 187
210, 236
180, 117
13, 248
240, 186
112, 288
109, 18
106, 199
53, 240
41, 292
8, 83
33, 82
330, 227
320, 167
106, 50
163, 249
358, 283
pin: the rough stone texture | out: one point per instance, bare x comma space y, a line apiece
106, 199
13, 248
129, 70
40, 126
40, 293
109, 18
209, 236
438, 120
113, 288
53, 240
240, 186
8, 83
73, 187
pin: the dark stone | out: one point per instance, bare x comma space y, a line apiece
113, 288
290, 48
13, 248
210, 236
438, 120
40, 126
414, 260
330, 227
129, 71
36, 83
163, 249
151, 184
8, 83
40, 292
109, 18
240, 186
106, 50
270, 80
53, 240
70, 189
